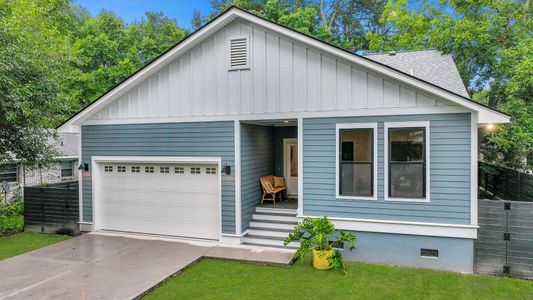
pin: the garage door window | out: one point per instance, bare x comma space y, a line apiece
179, 170
121, 169
135, 169
148, 169
195, 170
164, 170
108, 168
210, 170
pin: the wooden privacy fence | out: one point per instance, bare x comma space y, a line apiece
51, 208
504, 183
505, 238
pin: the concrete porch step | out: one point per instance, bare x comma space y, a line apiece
274, 217
272, 225
276, 211
253, 240
269, 233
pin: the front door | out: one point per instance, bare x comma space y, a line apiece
290, 163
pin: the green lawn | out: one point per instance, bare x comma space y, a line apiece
215, 279
26, 241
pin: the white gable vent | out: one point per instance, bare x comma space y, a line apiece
239, 53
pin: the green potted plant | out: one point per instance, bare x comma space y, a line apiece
313, 235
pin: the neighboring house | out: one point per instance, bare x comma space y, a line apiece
389, 153
62, 167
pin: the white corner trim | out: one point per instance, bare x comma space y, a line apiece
402, 227
427, 142
232, 239
474, 170
238, 199
80, 178
300, 137
374, 127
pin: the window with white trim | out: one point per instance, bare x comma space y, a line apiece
210, 170
135, 169
356, 155
195, 170
148, 169
406, 161
179, 170
67, 168
108, 168
164, 170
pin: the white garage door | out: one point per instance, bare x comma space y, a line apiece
167, 199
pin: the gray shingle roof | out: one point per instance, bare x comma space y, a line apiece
428, 65
66, 144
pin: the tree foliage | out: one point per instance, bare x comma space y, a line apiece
492, 44
55, 57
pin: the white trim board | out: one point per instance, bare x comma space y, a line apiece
374, 127
238, 199
400, 227
427, 142
300, 137
95, 171
473, 170
365, 112
285, 142
486, 115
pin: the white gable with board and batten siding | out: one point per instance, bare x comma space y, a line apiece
283, 76
286, 73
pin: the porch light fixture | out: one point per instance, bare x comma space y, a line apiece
286, 121
490, 126
226, 169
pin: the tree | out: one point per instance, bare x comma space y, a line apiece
31, 75
491, 41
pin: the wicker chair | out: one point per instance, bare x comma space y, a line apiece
269, 190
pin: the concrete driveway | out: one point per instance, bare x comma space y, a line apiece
95, 266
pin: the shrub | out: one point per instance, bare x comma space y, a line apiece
12, 217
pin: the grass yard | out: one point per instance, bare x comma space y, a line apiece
215, 279
26, 241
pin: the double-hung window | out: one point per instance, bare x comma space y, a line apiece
407, 161
356, 161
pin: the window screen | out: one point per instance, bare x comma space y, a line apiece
356, 162
407, 162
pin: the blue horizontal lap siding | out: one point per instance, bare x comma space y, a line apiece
449, 171
257, 159
213, 139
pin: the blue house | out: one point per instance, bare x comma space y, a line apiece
385, 145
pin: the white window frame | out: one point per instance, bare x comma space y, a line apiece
373, 126
244, 67
427, 142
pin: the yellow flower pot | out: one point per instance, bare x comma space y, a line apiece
320, 259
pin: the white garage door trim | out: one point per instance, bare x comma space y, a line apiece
96, 160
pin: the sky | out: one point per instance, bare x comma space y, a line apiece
131, 10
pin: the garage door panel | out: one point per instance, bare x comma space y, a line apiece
199, 184
181, 204
140, 209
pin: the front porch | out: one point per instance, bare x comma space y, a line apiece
268, 150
